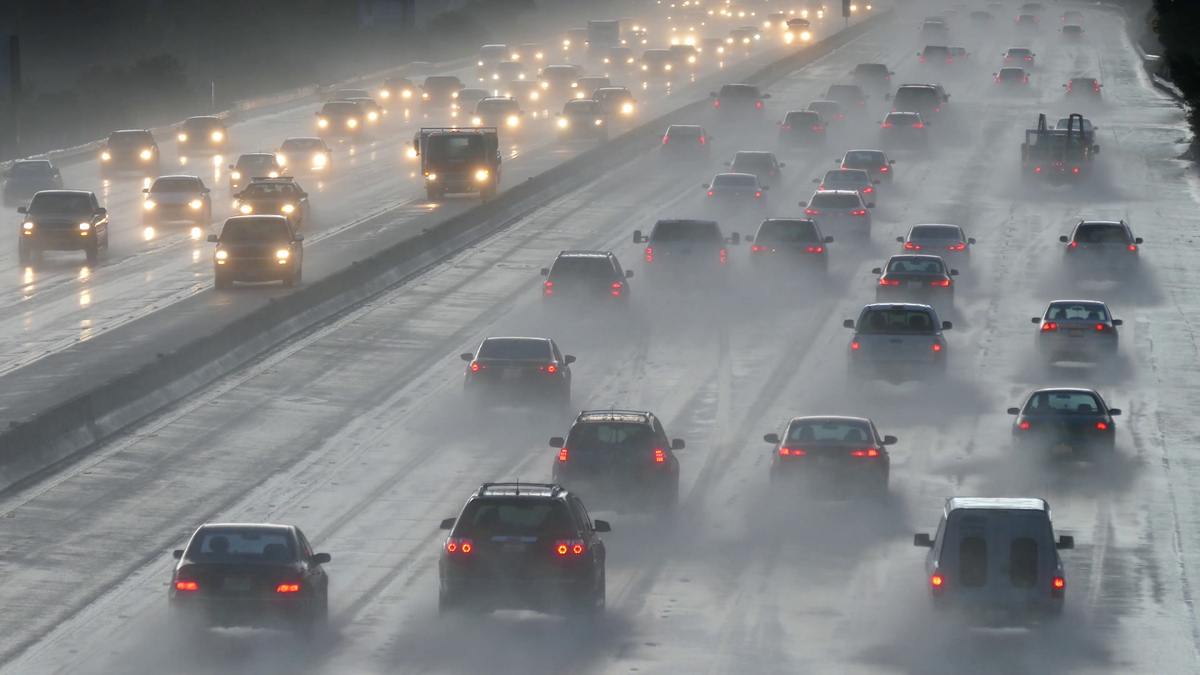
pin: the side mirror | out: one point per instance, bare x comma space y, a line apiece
467, 357
1036, 319
749, 239
728, 163
766, 96
557, 442
953, 273
828, 240
602, 526
1065, 542
568, 359
102, 211
891, 161
704, 186
1118, 322
677, 444
946, 325
299, 237
212, 238
146, 191
236, 195
637, 237
816, 181
207, 191
735, 239
628, 274
1064, 86
970, 241
899, 240
922, 540
877, 270
447, 524
764, 188
177, 554
802, 204
545, 271
1137, 240
231, 167
304, 195
1014, 411
889, 440
1114, 412
781, 165
876, 182
320, 558
870, 205
848, 323
771, 438
1063, 239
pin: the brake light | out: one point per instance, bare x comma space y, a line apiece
757, 194
862, 212
937, 347
812, 212
562, 455
958, 247
1059, 587
756, 249
1049, 325
788, 127
659, 457
911, 246
997, 79
722, 255
616, 288
868, 191
1100, 326
703, 141
1028, 58
918, 125
182, 585
459, 545
1101, 426
1072, 245
758, 105
710, 193
793, 452
943, 282
818, 128
716, 104
887, 125
922, 59
665, 139
816, 249
937, 582
547, 288
883, 168
565, 547
888, 282
1024, 425
476, 367
287, 588
950, 60
869, 452
551, 368
1132, 247
649, 254
854, 346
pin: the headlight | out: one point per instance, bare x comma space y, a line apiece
273, 174
481, 175
351, 123
629, 60
513, 121
85, 226
412, 152
580, 94
424, 95
599, 122
406, 94
196, 203
221, 255
691, 59
606, 59
235, 175
645, 67
545, 85
217, 136
454, 95
537, 55
372, 115
566, 43
627, 108
480, 63
105, 156
533, 95
495, 76
145, 154
27, 226
476, 120
183, 137
805, 35
853, 8
562, 123
288, 208
280, 159
322, 123
384, 94
319, 160
431, 176
668, 67
148, 204
246, 208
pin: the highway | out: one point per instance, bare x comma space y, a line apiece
357, 430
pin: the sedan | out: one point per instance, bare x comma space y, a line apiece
1076, 330
916, 278
848, 179
947, 241
1064, 422
874, 162
832, 453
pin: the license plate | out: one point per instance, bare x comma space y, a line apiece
1075, 332
512, 373
513, 548
1062, 449
236, 584
914, 286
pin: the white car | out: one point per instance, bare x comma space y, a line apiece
840, 212
1076, 330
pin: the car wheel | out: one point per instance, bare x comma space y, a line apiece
24, 253
221, 281
93, 253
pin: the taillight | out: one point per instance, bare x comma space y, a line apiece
459, 546
869, 452
1101, 426
1023, 425
1072, 245
665, 139
562, 455
616, 288
551, 368
943, 282
958, 247
888, 282
757, 194
547, 289
887, 125
287, 588
710, 193
812, 212
722, 255
937, 347
703, 141
183, 585
659, 456
861, 212
937, 583
757, 249
883, 168
922, 59
816, 249
912, 247
716, 104
1132, 247
1101, 326
758, 105
918, 126
868, 191
786, 127
1049, 325
649, 254
791, 452
950, 60
565, 547
476, 367
818, 128
1058, 587
854, 346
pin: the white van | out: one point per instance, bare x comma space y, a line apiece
996, 560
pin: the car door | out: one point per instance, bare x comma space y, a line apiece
562, 364
315, 574
588, 530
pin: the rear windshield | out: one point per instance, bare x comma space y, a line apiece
916, 96
302, 144
935, 232
902, 119
1083, 311
269, 190
686, 231
1019, 52
175, 185
31, 169
245, 162
515, 517
888, 321
752, 161
604, 436
515, 349
128, 138
683, 132
802, 117
735, 180
867, 158
442, 82
1101, 234
582, 267
828, 201
271, 229
826, 108
738, 91
871, 70
915, 266
788, 231
234, 545
847, 176
58, 202
1011, 72
842, 431
454, 147
582, 108
1058, 402
937, 51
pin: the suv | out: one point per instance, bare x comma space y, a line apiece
897, 341
996, 560
257, 248
693, 245
523, 546
397, 91
791, 243
802, 127
177, 198
735, 99
26, 177
586, 273
129, 150
876, 76
621, 456
62, 220
843, 210
205, 133
919, 98
936, 55
340, 118
1099, 246
762, 164
439, 91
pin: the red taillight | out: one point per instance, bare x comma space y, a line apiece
758, 105
547, 289
1024, 425
912, 247
868, 191
786, 127
722, 255
884, 168
665, 140
186, 586
922, 59
958, 247
659, 456
791, 452
1100, 326
475, 367
997, 79
649, 254
710, 193
869, 452
816, 249
812, 212
937, 347
564, 547
1132, 247
458, 545
756, 249
943, 282
950, 60
887, 125
716, 104
1072, 245
551, 368
1101, 426
937, 583
757, 194
562, 455
858, 213
1028, 58
1049, 325
1058, 587
703, 141
818, 128
854, 346
918, 125
888, 282
287, 588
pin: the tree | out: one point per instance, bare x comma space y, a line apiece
1177, 23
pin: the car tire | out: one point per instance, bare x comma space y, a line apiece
24, 253
93, 253
221, 281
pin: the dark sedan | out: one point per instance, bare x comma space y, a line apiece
27, 177
832, 452
257, 248
1064, 422
915, 278
504, 368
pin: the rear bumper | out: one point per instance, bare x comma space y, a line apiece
1000, 614
543, 595
1062, 345
923, 295
242, 612
896, 371
823, 470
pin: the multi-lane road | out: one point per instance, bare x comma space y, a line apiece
357, 430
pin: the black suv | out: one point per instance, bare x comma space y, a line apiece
620, 456
28, 176
63, 220
523, 546
257, 248
586, 274
738, 100
129, 150
519, 366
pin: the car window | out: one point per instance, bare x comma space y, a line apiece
126, 139
1059, 402
268, 229
915, 266
60, 202
683, 132
609, 437
751, 161
453, 147
269, 190
829, 432
847, 176
902, 119
797, 118
1101, 234
735, 180
868, 158
515, 349
935, 232
515, 517
303, 144
972, 560
1023, 562
582, 108
916, 96
235, 545
175, 185
582, 267
738, 91
686, 231
31, 170
894, 321
832, 201
1091, 311
788, 231
581, 513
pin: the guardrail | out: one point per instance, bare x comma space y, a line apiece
90, 417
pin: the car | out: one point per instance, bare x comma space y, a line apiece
740, 39
735, 101
1012, 76
897, 342
802, 128
177, 198
934, 26
843, 211
762, 164
687, 56
523, 546
397, 92
621, 458
527, 93
925, 99
501, 112
1083, 86
848, 179
832, 113
1077, 330
586, 86
129, 150
575, 40
1099, 247
959, 53
439, 92
467, 99
347, 94
1035, 8
635, 36
934, 55
559, 82
994, 562
874, 162
913, 277
685, 141
204, 133
797, 31
577, 275
687, 247
487, 59
528, 53
1020, 55
1027, 22
507, 71
851, 96
261, 247
372, 111
618, 102
1064, 422
26, 177
1071, 31
713, 49
301, 153
874, 76
903, 130
1072, 16
505, 369
250, 575
658, 63
790, 243
340, 118
619, 60
281, 195
947, 241
62, 220
254, 164
735, 193
582, 118
832, 453
981, 18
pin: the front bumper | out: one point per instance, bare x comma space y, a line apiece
255, 269
65, 239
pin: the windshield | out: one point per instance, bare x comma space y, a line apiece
582, 267
339, 108
937, 51
686, 231
176, 185
126, 139
236, 545
915, 266
442, 82
494, 106
847, 176
735, 180
829, 201
909, 97
1101, 234
516, 349
31, 170
683, 132
935, 232
269, 190
867, 158
60, 202
788, 232
841, 431
582, 108
607, 435
738, 91
802, 118
201, 124
1059, 402
272, 229
1079, 311
902, 119
454, 147
900, 321
520, 516
309, 144
256, 162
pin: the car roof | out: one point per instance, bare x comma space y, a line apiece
1086, 223
132, 131
584, 254
735, 173
632, 416
1077, 302
176, 176
45, 162
257, 216
249, 526
897, 305
829, 418
278, 179
754, 153
516, 337
301, 138
862, 150
691, 221
1072, 390
533, 490
611, 89
916, 256
998, 504
836, 192
957, 227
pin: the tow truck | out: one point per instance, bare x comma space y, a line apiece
464, 159
1057, 155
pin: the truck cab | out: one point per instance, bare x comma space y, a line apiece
460, 160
